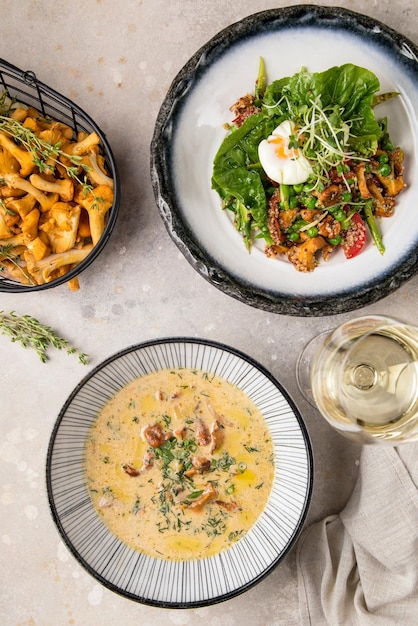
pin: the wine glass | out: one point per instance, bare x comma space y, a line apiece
363, 378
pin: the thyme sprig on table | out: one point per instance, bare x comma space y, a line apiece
30, 333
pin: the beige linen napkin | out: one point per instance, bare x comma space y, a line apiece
360, 567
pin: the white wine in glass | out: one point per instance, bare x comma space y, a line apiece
363, 378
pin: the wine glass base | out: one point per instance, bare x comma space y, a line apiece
303, 366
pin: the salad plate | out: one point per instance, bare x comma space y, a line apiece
190, 128
170, 582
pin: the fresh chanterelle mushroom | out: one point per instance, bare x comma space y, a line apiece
97, 203
63, 187
27, 164
95, 172
42, 270
62, 226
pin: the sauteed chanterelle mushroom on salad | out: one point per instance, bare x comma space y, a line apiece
308, 167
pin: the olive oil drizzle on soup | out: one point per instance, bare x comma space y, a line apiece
179, 464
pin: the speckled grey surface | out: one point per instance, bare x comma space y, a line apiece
174, 214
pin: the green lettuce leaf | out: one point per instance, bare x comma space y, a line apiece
348, 89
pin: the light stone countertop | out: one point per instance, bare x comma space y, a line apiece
117, 60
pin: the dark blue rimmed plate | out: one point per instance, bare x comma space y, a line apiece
189, 130
160, 582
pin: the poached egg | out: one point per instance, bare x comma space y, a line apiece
281, 163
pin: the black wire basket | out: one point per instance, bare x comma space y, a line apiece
24, 87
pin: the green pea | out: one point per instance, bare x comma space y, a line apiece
297, 225
298, 188
293, 236
385, 169
346, 197
383, 158
313, 231
335, 241
339, 215
311, 202
293, 202
342, 168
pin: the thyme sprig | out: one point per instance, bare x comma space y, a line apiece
30, 333
45, 155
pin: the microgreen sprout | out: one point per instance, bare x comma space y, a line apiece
326, 138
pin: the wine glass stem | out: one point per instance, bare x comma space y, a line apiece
364, 376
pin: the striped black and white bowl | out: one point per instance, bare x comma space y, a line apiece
192, 583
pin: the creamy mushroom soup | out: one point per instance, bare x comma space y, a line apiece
179, 464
